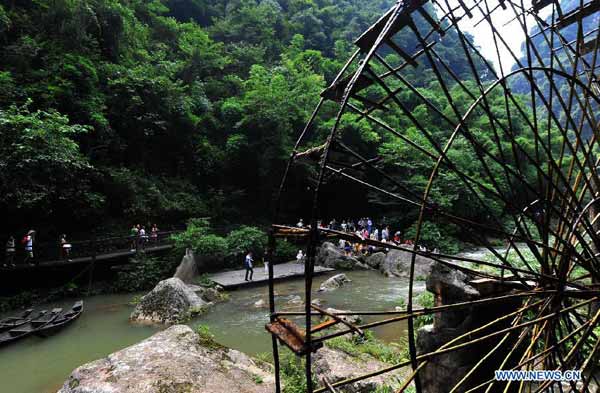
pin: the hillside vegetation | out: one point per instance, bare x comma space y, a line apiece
114, 112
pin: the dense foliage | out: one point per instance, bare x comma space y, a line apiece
115, 112
145, 110
161, 110
217, 251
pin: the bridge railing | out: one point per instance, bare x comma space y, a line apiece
48, 251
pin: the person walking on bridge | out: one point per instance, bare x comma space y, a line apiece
65, 248
9, 260
134, 237
154, 233
28, 243
248, 265
143, 238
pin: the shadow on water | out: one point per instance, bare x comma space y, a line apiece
36, 365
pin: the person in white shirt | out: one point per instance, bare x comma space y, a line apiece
299, 256
142, 238
248, 265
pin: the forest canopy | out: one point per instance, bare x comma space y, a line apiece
120, 111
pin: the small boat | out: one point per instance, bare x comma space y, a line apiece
41, 320
13, 322
62, 321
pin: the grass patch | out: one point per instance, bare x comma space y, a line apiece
206, 338
205, 281
292, 372
135, 300
355, 345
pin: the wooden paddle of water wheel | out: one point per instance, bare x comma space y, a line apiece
537, 154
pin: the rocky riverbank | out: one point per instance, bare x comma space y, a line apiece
390, 263
173, 301
176, 360
179, 360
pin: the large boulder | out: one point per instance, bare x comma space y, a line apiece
331, 256
175, 360
171, 301
187, 269
397, 264
375, 260
334, 282
451, 286
336, 365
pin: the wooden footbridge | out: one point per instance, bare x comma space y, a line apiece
100, 250
236, 278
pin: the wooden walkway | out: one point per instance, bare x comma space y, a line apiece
99, 258
235, 278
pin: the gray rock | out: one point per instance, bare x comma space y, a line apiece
452, 286
334, 282
452, 283
317, 302
355, 319
330, 255
375, 260
171, 361
397, 264
171, 301
210, 295
207, 294
187, 270
295, 299
336, 365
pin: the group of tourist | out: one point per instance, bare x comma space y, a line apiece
139, 236
27, 242
365, 228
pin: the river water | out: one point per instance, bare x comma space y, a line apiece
36, 365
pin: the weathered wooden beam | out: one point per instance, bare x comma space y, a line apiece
407, 58
434, 24
336, 91
291, 336
366, 41
577, 14
589, 46
313, 153
352, 326
539, 4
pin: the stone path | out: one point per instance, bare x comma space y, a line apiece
235, 278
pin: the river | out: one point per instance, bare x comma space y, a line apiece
36, 365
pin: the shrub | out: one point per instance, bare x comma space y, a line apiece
245, 239
145, 274
199, 238
285, 251
206, 338
434, 235
424, 300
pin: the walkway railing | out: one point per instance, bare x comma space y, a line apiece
45, 252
